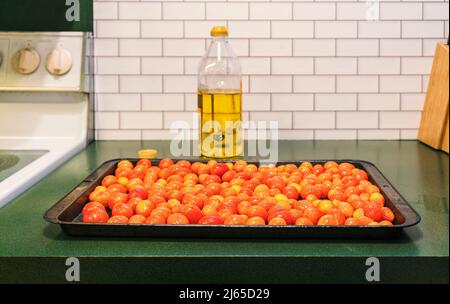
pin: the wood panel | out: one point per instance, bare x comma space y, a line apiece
435, 111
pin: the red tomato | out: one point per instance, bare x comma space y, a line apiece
219, 169
117, 198
177, 219
165, 163
328, 220
90, 206
211, 220
145, 208
310, 189
303, 221
290, 192
256, 221
118, 219
388, 215
156, 220
235, 219
122, 209
109, 180
313, 214
144, 162
373, 211
257, 210
102, 197
95, 215
192, 212
137, 219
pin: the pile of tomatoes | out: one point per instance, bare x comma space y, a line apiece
217, 193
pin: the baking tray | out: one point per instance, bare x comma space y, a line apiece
67, 213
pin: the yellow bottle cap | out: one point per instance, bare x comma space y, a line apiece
148, 154
219, 31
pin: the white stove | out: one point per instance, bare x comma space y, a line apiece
45, 105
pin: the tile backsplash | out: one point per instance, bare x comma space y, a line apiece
324, 69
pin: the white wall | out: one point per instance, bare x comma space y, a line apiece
319, 67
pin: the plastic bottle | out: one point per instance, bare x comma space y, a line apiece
220, 99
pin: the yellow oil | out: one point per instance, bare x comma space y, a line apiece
220, 114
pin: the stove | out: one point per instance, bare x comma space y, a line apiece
46, 109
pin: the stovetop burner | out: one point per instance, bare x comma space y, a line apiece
12, 161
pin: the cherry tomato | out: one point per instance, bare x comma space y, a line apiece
277, 221
373, 211
137, 219
90, 206
96, 215
328, 220
165, 163
145, 208
118, 219
117, 198
192, 212
303, 221
122, 209
219, 169
387, 214
211, 220
156, 220
256, 221
177, 219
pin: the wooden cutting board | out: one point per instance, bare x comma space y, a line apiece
433, 129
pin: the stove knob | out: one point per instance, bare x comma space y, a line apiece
59, 62
26, 61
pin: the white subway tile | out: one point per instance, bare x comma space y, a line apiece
379, 102
314, 11
397, 84
166, 134
240, 47
401, 11
199, 29
292, 102
118, 65
256, 102
335, 135
106, 120
227, 11
267, 11
292, 29
425, 80
336, 29
255, 66
332, 66
416, 65
408, 134
314, 84
139, 10
284, 119
412, 102
162, 29
189, 118
422, 29
267, 47
335, 102
429, 46
141, 120
292, 65
190, 102
180, 84
118, 135
105, 10
162, 65
435, 11
378, 65
140, 47
357, 84
357, 47
268, 84
106, 47
314, 47
399, 120
106, 84
183, 47
118, 29
357, 120
162, 102
118, 102
140, 84
314, 120
191, 65
400, 47
379, 29
378, 134
183, 11
249, 29
296, 134
358, 11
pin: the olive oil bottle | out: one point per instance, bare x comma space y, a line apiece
220, 99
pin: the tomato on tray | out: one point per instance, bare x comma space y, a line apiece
216, 193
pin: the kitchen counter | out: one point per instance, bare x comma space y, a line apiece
32, 250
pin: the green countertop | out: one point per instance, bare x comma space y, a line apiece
420, 173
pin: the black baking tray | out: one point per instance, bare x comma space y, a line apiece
67, 213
